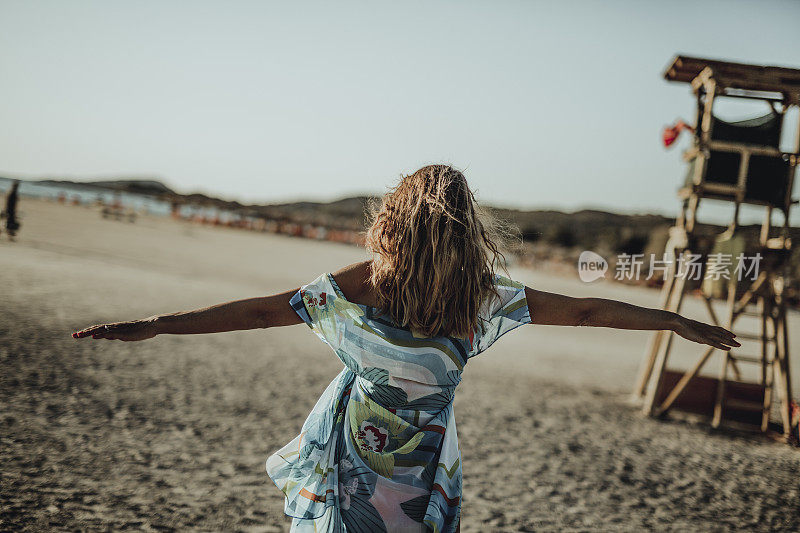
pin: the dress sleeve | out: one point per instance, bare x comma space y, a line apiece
324, 309
503, 314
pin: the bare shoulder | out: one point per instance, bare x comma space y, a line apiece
354, 281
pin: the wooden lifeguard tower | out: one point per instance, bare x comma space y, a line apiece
740, 163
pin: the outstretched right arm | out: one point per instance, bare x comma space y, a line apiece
252, 313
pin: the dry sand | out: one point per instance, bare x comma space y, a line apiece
172, 433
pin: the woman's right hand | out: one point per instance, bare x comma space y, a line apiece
135, 330
703, 333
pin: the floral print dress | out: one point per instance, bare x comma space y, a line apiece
379, 450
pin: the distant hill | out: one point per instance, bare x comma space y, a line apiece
586, 229
148, 187
589, 229
346, 213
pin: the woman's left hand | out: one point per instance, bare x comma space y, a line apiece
136, 330
703, 333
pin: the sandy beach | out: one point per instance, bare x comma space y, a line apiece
171, 434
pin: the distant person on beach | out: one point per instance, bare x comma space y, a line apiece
379, 450
10, 211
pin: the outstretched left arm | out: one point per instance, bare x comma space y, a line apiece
558, 309
252, 313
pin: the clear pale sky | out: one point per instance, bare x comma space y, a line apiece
543, 104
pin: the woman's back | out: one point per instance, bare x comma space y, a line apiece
384, 426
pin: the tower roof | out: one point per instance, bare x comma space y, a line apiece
738, 75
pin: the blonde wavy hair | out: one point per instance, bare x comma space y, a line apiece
434, 252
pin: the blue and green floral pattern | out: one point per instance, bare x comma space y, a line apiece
379, 451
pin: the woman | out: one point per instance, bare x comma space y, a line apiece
379, 451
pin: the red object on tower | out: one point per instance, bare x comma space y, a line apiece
671, 133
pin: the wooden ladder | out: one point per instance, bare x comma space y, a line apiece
764, 360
